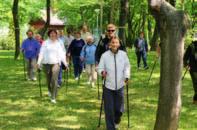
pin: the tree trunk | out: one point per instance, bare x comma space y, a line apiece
153, 42
172, 28
129, 20
112, 9
48, 5
172, 2
16, 28
123, 19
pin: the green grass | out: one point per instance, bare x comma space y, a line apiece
21, 107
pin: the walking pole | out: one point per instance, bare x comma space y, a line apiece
101, 107
128, 114
24, 69
66, 80
98, 85
152, 71
79, 77
185, 73
39, 80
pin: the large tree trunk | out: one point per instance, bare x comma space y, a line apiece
123, 19
153, 42
48, 5
16, 28
173, 25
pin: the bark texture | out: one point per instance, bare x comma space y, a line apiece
172, 26
123, 19
16, 28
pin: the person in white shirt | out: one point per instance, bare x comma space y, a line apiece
114, 67
85, 32
68, 39
51, 55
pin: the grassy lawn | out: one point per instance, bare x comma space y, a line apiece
21, 107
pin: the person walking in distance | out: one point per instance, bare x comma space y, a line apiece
30, 48
88, 56
141, 49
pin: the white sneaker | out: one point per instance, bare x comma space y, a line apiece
93, 85
49, 94
76, 78
53, 101
34, 79
116, 126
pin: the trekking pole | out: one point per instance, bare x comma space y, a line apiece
24, 69
185, 73
101, 107
152, 71
66, 80
98, 86
39, 81
79, 76
128, 114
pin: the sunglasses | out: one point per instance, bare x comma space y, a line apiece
110, 30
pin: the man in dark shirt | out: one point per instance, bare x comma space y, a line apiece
190, 60
103, 44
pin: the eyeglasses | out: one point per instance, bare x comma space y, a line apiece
110, 30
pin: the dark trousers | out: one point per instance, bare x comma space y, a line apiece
114, 106
60, 76
78, 66
194, 81
139, 55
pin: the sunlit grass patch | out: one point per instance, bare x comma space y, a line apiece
22, 108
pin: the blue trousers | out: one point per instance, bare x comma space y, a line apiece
78, 66
141, 54
114, 106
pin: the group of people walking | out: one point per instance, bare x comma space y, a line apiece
109, 58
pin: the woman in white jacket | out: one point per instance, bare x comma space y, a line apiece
114, 67
51, 55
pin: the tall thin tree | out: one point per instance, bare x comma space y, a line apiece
48, 12
124, 5
16, 28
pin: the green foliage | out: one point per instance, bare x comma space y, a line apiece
23, 109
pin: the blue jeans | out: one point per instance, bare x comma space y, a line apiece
114, 106
139, 55
78, 66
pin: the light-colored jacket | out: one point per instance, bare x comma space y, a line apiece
117, 67
88, 53
52, 52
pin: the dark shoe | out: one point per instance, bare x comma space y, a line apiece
195, 102
146, 67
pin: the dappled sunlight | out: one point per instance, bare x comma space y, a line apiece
78, 108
